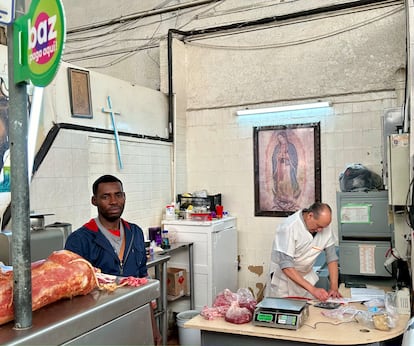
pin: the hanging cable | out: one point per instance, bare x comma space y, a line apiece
140, 15
153, 42
190, 41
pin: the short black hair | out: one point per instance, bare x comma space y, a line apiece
107, 178
316, 208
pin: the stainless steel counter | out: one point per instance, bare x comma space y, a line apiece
159, 262
100, 318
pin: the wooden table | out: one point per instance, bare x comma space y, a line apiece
317, 330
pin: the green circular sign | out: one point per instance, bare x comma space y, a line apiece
42, 40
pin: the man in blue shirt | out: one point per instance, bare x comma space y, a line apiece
108, 242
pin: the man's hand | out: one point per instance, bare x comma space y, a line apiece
334, 293
320, 294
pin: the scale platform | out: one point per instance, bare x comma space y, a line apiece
281, 313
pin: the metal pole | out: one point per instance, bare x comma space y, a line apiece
19, 183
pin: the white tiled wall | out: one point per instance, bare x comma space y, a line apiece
220, 159
62, 185
327, 59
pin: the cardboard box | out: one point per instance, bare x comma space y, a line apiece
176, 281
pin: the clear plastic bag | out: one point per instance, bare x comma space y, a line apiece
224, 300
391, 308
342, 313
246, 299
381, 318
381, 313
237, 314
376, 320
375, 303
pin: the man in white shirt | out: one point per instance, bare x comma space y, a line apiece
297, 243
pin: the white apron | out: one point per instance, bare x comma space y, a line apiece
293, 239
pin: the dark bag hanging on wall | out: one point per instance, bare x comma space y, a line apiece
356, 177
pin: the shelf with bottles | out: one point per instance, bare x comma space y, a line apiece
199, 204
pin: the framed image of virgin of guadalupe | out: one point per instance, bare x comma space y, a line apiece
287, 168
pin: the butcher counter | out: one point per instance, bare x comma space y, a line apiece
121, 317
317, 330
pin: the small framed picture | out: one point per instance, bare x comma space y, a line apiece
80, 93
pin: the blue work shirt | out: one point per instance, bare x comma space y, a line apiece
90, 243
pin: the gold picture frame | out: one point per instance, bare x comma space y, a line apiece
80, 93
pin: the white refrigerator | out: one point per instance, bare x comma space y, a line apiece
215, 257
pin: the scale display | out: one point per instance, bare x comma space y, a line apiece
280, 313
290, 320
275, 318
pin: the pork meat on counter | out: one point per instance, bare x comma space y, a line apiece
63, 274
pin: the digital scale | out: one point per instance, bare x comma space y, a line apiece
281, 313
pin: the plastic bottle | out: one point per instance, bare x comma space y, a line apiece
170, 212
165, 240
151, 249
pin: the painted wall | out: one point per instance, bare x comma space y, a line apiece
62, 184
122, 40
140, 110
341, 58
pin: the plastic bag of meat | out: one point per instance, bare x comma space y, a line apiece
243, 296
238, 315
246, 299
224, 300
213, 312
